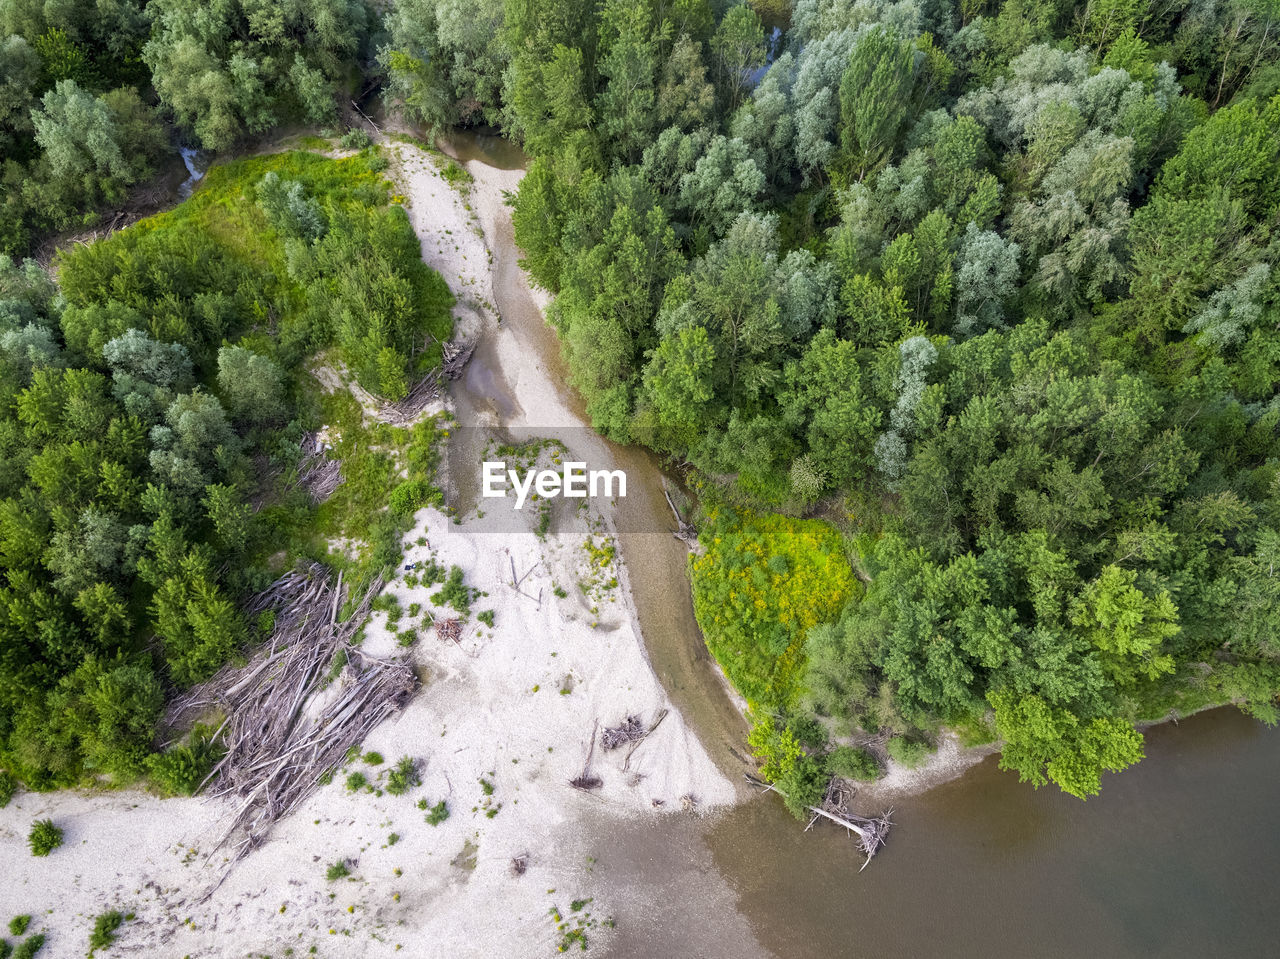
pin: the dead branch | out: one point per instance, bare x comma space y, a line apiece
584, 779
684, 531
871, 832
449, 629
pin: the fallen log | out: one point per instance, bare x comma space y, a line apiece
871, 832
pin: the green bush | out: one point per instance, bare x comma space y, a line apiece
18, 924
403, 776
337, 871
849, 762
909, 752
454, 592
44, 837
486, 617
373, 758
104, 930
8, 786
179, 770
30, 947
355, 139
437, 813
356, 781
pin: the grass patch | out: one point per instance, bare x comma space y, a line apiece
436, 814
403, 777
104, 930
356, 781
338, 870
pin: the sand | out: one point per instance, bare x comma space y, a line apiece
513, 705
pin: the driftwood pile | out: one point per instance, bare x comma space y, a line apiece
870, 832
629, 730
428, 388
455, 358
287, 726
317, 473
449, 629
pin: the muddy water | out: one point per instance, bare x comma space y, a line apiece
1177, 858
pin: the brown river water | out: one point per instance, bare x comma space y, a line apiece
1178, 857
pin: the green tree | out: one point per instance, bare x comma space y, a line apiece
250, 384
875, 93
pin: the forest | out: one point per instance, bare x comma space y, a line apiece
961, 319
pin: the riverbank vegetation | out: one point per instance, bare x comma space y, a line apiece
989, 288
155, 405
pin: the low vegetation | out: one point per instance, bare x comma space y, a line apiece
44, 837
104, 930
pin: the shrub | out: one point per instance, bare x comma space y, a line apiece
337, 871
374, 758
29, 948
910, 752
8, 786
104, 930
179, 771
486, 617
403, 776
18, 925
411, 495
355, 140
438, 813
44, 838
356, 781
454, 592
848, 762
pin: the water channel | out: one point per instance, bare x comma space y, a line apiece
1176, 858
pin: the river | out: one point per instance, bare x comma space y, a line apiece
1174, 859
